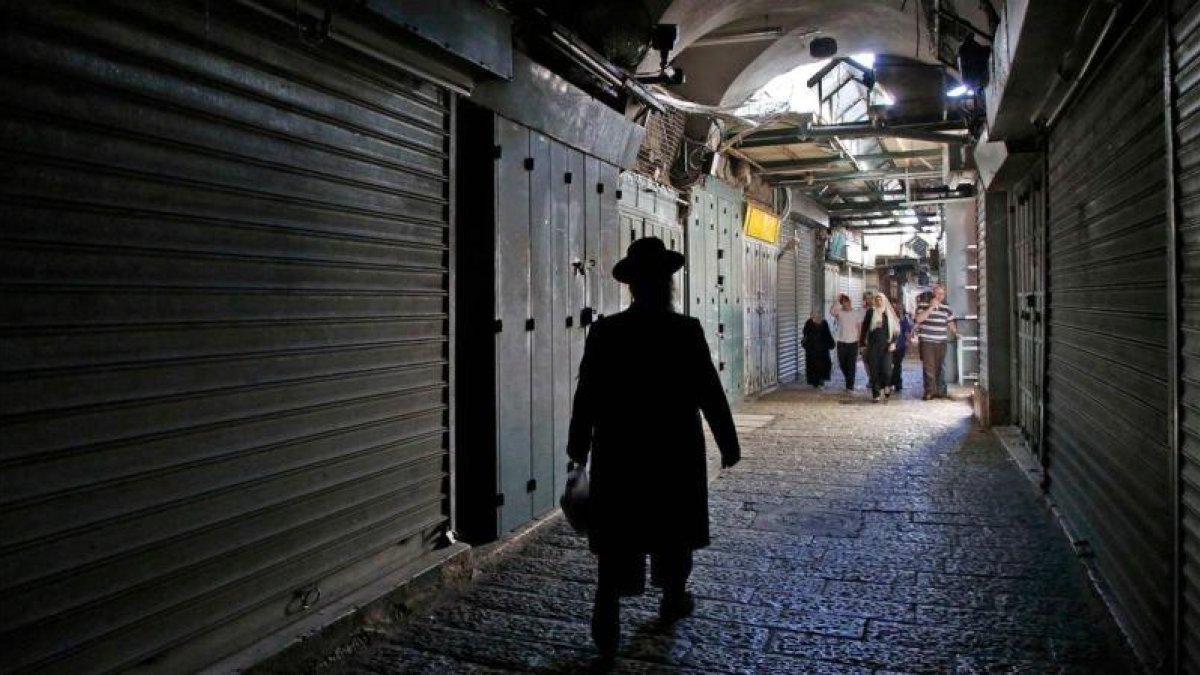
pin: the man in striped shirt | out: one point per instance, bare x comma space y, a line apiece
935, 325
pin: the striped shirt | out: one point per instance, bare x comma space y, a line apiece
935, 326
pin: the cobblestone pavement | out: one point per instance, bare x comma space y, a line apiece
852, 538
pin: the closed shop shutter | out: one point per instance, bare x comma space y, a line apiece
808, 292
1107, 392
981, 233
788, 325
225, 331
1186, 38
855, 286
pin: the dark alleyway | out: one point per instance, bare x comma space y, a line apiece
853, 538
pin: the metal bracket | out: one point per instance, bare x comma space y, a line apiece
618, 194
599, 188
529, 323
531, 486
567, 177
570, 321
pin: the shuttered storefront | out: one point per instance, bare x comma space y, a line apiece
788, 309
1186, 57
809, 287
1107, 390
224, 328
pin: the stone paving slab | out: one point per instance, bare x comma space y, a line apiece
854, 538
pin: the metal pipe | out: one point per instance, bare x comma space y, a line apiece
597, 66
360, 46
1087, 65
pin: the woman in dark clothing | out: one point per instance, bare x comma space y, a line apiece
645, 376
906, 327
817, 340
880, 330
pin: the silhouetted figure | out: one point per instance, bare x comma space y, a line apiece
880, 330
645, 376
817, 340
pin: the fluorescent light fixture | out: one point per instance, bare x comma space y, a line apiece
909, 220
768, 33
959, 91
865, 60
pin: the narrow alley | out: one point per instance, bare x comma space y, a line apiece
853, 538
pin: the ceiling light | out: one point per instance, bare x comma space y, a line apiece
959, 91
909, 220
768, 33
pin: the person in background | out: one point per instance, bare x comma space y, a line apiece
935, 326
645, 378
847, 331
901, 350
868, 301
817, 341
880, 331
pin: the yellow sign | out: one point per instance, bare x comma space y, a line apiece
762, 224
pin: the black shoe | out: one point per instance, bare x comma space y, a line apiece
606, 630
927, 397
675, 606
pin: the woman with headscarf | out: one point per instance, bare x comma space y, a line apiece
880, 331
817, 340
645, 377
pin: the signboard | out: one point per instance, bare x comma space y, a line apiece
762, 224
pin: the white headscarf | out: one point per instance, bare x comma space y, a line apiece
877, 317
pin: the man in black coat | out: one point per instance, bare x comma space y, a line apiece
645, 376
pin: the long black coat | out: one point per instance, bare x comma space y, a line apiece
817, 340
645, 377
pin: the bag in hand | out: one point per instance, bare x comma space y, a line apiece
574, 500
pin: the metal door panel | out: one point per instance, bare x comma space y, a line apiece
577, 238
610, 239
513, 343
593, 266
564, 314
541, 266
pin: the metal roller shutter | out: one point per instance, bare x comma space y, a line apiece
1186, 40
1107, 389
225, 331
808, 294
981, 234
788, 324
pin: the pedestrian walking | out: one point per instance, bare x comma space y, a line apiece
645, 376
848, 330
817, 341
868, 299
901, 350
880, 331
935, 326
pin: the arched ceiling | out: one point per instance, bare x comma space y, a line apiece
727, 74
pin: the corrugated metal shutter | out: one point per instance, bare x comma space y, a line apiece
788, 308
1107, 392
809, 288
1186, 38
982, 257
224, 328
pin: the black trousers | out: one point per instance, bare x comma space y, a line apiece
847, 353
622, 574
897, 370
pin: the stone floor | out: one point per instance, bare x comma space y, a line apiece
853, 538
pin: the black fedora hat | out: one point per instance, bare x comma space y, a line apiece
647, 257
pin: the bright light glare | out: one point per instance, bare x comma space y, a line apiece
909, 220
959, 91
865, 60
